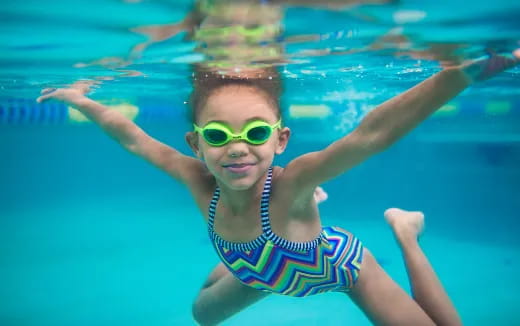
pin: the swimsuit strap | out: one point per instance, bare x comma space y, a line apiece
267, 233
212, 208
266, 225
264, 204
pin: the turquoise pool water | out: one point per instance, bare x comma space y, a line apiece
91, 235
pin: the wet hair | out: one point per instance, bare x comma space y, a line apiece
206, 83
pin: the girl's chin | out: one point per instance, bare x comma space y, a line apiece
240, 179
240, 184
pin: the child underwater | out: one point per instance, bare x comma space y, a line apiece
263, 220
237, 132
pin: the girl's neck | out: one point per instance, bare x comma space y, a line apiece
238, 202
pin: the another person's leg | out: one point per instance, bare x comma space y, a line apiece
222, 296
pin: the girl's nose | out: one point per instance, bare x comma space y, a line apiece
237, 149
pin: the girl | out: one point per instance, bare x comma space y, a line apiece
263, 220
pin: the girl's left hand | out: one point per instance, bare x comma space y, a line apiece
485, 68
69, 94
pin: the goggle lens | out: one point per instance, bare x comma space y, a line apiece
259, 134
215, 136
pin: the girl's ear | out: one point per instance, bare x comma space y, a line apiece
192, 138
283, 138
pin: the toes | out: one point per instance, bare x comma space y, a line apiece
392, 211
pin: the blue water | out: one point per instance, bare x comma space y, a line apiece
91, 235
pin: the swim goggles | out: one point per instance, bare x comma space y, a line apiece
256, 132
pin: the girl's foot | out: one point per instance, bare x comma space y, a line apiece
407, 226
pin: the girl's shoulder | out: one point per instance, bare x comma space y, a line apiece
284, 189
202, 187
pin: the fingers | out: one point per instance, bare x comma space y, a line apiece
485, 68
146, 30
47, 90
45, 94
42, 98
320, 195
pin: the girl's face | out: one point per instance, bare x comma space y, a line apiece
238, 164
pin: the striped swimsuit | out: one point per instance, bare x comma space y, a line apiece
331, 262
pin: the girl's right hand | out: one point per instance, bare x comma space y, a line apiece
69, 95
320, 195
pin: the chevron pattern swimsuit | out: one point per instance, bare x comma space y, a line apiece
331, 262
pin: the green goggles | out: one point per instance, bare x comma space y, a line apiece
256, 132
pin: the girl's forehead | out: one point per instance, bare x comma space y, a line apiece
237, 107
244, 114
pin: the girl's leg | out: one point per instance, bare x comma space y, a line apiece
222, 296
427, 290
384, 302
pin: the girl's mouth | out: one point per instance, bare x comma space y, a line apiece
238, 168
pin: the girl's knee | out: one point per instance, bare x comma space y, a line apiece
216, 274
196, 312
200, 313
206, 309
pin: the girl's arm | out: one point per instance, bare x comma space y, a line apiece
163, 32
390, 121
182, 167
